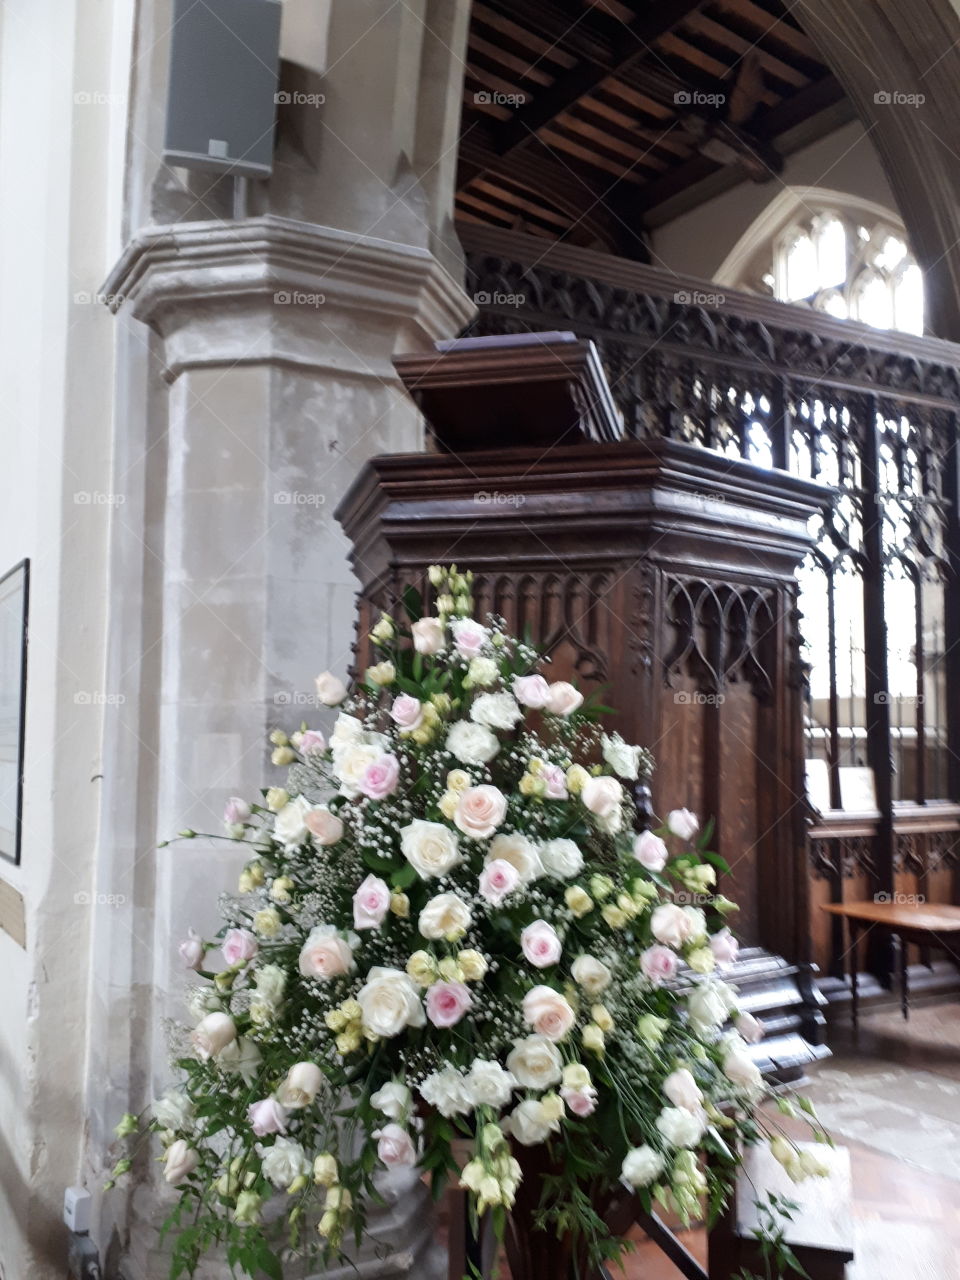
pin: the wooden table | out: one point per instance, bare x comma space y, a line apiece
923, 923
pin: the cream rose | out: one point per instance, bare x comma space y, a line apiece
431, 848
179, 1162
683, 823
530, 1123
488, 1084
445, 916
325, 827
562, 859
326, 954
591, 974
682, 1090
300, 1086
212, 1034
650, 851
427, 635
471, 743
389, 1002
548, 1013
352, 763
564, 698
671, 925
290, 824
521, 853
535, 1062
330, 690
395, 1147
480, 810
394, 1100
602, 796
741, 1070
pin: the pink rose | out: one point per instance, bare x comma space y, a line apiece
602, 796
555, 780
326, 954
548, 1012
479, 811
380, 779
531, 691
427, 635
447, 1002
239, 945
395, 1147
325, 827
235, 812
311, 741
540, 944
658, 963
192, 950
650, 851
371, 903
724, 946
582, 1102
564, 698
267, 1116
407, 712
468, 636
497, 879
683, 823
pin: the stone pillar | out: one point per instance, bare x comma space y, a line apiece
255, 379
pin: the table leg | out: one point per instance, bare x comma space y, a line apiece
904, 988
854, 985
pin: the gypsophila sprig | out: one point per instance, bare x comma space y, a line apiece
449, 928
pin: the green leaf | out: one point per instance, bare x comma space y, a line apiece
413, 603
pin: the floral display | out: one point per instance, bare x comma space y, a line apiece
451, 945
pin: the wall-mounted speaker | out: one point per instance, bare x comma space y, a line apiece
222, 94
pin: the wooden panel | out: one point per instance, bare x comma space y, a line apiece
12, 914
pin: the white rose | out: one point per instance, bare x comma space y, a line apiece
483, 672
529, 1124
284, 1161
681, 1128
521, 853
242, 1057
741, 1070
683, 823
561, 859
271, 982
300, 1086
213, 1034
488, 1084
427, 635
445, 916
447, 1091
749, 1027
671, 925
564, 698
698, 924
472, 743
326, 954
682, 1090
623, 759
641, 1166
174, 1110
650, 851
351, 764
496, 710
469, 636
395, 1147
330, 690
179, 1161
480, 810
535, 1063
709, 1005
389, 1002
548, 1012
431, 848
346, 731
602, 796
591, 974
289, 825
393, 1099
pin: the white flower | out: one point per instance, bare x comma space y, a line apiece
749, 1027
480, 810
591, 974
445, 916
213, 1034
179, 1161
521, 853
530, 1124
300, 1086
389, 1002
650, 851
488, 1084
564, 698
447, 1091
540, 944
395, 1147
289, 825
468, 636
496, 710
431, 848
698, 924
427, 635
393, 1099
741, 1070
603, 796
483, 672
682, 1090
472, 743
561, 859
623, 759
709, 1005
347, 731
327, 953
242, 1057
548, 1012
203, 1000
284, 1161
683, 823
681, 1128
671, 925
271, 982
535, 1063
330, 690
641, 1166
174, 1110
351, 764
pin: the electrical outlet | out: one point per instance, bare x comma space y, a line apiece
76, 1209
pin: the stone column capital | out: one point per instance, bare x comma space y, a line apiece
277, 290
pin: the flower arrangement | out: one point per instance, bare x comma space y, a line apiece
450, 932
